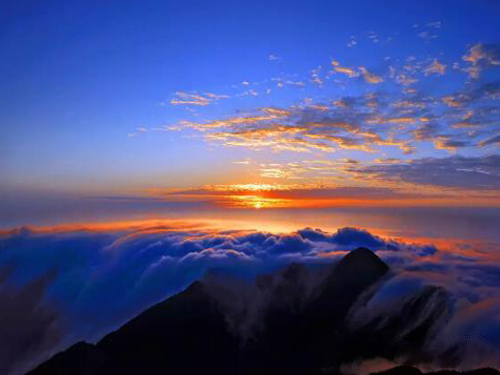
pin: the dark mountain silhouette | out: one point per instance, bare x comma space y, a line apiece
292, 322
184, 334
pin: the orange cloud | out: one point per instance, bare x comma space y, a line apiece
435, 68
370, 77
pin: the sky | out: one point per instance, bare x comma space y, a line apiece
143, 143
250, 104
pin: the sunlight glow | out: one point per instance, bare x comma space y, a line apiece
257, 202
251, 187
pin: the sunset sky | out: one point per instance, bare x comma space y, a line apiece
249, 105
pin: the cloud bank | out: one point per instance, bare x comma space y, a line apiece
67, 284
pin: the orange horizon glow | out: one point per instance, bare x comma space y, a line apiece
313, 195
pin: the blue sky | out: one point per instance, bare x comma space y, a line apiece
90, 90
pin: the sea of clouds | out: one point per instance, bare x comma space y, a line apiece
62, 285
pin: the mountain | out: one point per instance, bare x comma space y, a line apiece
402, 334
292, 322
184, 334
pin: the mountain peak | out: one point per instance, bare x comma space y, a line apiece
362, 260
353, 275
361, 251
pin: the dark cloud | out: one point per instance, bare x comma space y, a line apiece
481, 274
491, 141
481, 173
297, 193
446, 142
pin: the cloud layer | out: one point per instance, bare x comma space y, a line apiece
80, 282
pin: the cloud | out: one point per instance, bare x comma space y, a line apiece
435, 68
296, 195
371, 123
446, 142
78, 282
491, 141
344, 70
373, 37
351, 237
405, 79
426, 132
434, 24
243, 162
427, 35
480, 173
350, 123
138, 130
452, 101
354, 123
370, 77
352, 42
185, 98
418, 103
481, 56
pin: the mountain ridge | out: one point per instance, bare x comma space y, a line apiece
292, 330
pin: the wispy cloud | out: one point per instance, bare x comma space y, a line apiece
243, 162
204, 99
491, 141
352, 42
434, 24
370, 77
344, 70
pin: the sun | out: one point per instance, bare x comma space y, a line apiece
257, 205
